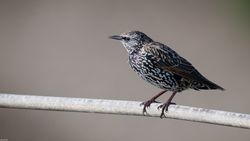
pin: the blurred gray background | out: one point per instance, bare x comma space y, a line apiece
61, 48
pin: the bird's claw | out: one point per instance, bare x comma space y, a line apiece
147, 104
164, 108
172, 103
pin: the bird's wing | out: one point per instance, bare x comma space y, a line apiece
170, 61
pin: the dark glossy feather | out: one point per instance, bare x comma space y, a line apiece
170, 61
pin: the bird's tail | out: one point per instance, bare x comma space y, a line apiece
207, 85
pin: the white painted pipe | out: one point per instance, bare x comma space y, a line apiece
123, 108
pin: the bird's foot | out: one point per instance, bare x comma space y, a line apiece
164, 107
147, 104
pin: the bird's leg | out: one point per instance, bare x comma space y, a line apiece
146, 104
165, 105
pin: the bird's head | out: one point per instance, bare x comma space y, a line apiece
132, 40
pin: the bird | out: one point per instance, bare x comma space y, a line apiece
162, 67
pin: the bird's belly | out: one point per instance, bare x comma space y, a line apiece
154, 75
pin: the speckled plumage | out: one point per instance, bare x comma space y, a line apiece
161, 66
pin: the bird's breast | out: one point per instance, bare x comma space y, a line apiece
145, 66
140, 62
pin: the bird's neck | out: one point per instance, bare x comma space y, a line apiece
134, 49
130, 49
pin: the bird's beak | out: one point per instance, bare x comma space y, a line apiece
116, 37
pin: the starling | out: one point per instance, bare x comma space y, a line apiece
161, 66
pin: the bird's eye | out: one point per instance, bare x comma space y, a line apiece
126, 38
